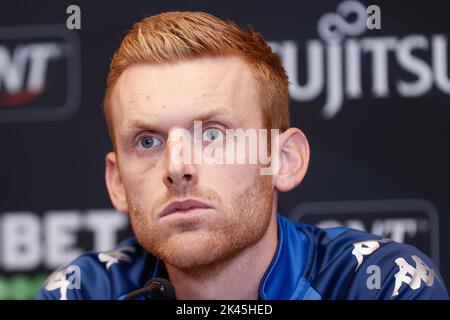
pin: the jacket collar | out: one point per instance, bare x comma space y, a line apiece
284, 279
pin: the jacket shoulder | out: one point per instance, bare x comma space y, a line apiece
98, 275
351, 264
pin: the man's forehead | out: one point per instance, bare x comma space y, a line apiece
214, 85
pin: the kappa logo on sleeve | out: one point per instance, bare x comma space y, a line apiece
64, 279
413, 277
114, 256
365, 248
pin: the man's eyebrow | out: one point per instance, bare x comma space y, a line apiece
220, 112
141, 124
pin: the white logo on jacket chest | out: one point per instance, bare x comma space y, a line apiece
114, 256
365, 248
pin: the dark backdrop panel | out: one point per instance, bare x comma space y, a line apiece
374, 105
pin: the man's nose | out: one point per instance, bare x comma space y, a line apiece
180, 173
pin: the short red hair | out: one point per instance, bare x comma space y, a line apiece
176, 36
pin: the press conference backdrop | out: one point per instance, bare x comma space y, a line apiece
374, 104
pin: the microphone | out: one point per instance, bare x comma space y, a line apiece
154, 289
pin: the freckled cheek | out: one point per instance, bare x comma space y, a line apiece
227, 180
141, 176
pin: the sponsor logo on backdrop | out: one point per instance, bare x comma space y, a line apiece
412, 221
30, 241
39, 73
33, 244
334, 63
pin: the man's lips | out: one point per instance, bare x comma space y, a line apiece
180, 206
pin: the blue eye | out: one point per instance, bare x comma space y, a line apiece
212, 134
148, 142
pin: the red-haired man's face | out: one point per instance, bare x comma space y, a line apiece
148, 105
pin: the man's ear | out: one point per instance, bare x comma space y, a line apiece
294, 159
114, 183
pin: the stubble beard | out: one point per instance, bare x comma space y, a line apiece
202, 253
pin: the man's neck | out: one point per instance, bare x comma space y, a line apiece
238, 278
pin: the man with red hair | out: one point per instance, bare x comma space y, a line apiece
211, 227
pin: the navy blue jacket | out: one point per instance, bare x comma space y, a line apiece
310, 263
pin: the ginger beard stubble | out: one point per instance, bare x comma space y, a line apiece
201, 247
